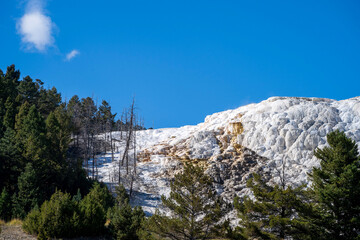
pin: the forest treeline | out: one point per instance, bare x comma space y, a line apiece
45, 179
44, 141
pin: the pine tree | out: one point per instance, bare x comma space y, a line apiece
57, 218
106, 117
9, 82
94, 207
34, 134
273, 213
20, 117
74, 111
29, 194
58, 134
29, 90
11, 160
194, 206
125, 221
49, 100
5, 205
9, 118
336, 189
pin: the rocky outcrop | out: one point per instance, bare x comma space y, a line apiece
232, 145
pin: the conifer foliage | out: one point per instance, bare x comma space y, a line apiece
336, 189
126, 223
273, 212
194, 206
66, 216
38, 150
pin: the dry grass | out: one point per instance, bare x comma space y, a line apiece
2, 222
15, 222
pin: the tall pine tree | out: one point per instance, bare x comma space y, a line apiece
29, 194
273, 213
336, 189
195, 208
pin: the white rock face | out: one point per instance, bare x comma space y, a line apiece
278, 129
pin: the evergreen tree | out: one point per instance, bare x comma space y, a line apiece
49, 100
9, 83
106, 117
28, 91
58, 134
2, 115
20, 117
9, 118
125, 221
336, 189
29, 194
5, 205
11, 161
194, 205
33, 133
77, 197
94, 207
273, 214
74, 111
59, 217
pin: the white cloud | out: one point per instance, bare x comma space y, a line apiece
72, 54
35, 27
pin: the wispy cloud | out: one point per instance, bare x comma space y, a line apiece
72, 54
35, 27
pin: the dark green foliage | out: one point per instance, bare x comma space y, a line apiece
5, 205
33, 135
20, 117
122, 197
29, 194
49, 100
336, 189
194, 206
93, 208
77, 197
273, 213
43, 143
57, 217
8, 83
31, 223
9, 117
11, 160
66, 216
106, 117
125, 221
58, 135
28, 91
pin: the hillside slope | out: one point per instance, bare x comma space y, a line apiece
233, 144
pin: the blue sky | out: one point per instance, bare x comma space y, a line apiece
183, 60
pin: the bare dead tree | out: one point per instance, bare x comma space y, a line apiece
129, 135
281, 171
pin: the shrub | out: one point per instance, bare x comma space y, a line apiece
31, 222
57, 218
66, 216
93, 210
126, 223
